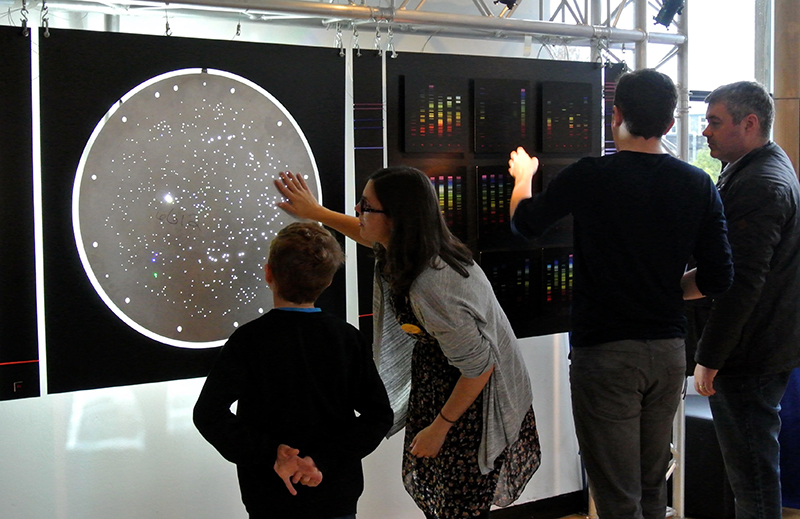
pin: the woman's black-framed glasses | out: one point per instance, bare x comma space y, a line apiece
363, 207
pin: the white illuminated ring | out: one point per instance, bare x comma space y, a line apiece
174, 207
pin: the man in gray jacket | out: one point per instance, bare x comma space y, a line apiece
751, 342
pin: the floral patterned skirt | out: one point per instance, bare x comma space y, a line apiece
451, 485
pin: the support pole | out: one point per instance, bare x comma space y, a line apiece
640, 13
679, 455
786, 131
683, 85
596, 18
763, 43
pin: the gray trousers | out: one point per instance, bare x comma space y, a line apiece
624, 398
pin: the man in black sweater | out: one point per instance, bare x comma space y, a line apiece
310, 402
638, 215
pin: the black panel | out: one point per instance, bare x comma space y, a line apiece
435, 114
82, 75
534, 288
494, 224
19, 351
499, 121
502, 114
567, 117
516, 277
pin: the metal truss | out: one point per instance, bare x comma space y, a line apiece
421, 18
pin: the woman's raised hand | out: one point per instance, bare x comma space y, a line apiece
301, 201
302, 204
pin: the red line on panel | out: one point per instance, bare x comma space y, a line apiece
18, 362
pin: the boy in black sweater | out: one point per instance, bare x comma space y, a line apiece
310, 402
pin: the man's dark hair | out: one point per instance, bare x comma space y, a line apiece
303, 258
647, 99
744, 98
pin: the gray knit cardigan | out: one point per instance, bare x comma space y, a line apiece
473, 332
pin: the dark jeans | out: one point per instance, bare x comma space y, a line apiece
745, 411
624, 398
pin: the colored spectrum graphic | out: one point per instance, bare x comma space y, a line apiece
435, 115
449, 186
566, 117
494, 193
534, 287
513, 278
558, 276
502, 109
495, 185
558, 270
516, 278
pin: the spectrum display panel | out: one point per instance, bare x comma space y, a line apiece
502, 113
435, 115
567, 117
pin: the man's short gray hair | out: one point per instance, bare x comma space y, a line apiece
745, 98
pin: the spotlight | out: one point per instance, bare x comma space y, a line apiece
668, 11
508, 3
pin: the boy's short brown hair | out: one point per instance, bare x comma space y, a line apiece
303, 258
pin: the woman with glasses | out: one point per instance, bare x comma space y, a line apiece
445, 349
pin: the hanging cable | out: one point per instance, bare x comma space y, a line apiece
390, 43
378, 40
24, 14
167, 30
338, 40
45, 19
356, 46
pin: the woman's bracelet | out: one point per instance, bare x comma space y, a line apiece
451, 422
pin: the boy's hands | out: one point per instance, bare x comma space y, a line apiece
291, 468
